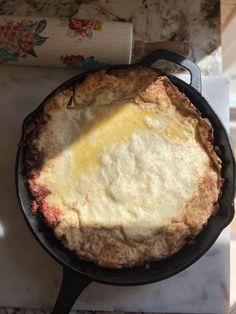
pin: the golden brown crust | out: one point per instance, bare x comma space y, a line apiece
111, 247
120, 84
187, 109
204, 200
35, 157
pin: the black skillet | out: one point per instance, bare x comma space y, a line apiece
77, 274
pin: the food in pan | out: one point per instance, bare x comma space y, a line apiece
123, 167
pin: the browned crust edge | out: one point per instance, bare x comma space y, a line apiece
205, 129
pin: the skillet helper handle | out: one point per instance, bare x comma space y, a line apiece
71, 287
162, 54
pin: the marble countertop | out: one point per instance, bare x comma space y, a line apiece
197, 21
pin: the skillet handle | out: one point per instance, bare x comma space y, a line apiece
71, 287
162, 54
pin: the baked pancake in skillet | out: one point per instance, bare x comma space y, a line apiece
122, 167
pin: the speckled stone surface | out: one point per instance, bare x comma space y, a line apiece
195, 21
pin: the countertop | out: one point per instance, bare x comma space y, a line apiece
194, 21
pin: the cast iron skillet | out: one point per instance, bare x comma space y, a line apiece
77, 274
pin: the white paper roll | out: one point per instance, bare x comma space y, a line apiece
60, 42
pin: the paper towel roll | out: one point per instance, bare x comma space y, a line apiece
63, 42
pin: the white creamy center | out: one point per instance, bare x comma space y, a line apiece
138, 179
